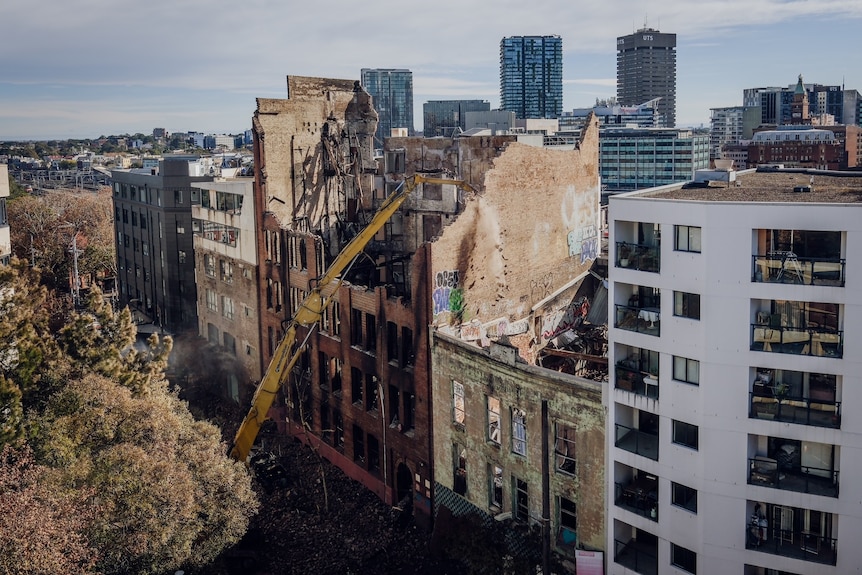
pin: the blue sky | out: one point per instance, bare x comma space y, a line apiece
88, 68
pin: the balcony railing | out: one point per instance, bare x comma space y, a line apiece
640, 319
637, 498
797, 544
639, 557
797, 340
786, 267
637, 441
804, 479
639, 257
637, 381
801, 410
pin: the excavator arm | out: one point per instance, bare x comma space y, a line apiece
310, 311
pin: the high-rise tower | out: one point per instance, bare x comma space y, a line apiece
392, 96
646, 69
531, 76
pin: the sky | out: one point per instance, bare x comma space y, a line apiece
83, 69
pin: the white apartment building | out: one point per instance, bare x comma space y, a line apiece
735, 394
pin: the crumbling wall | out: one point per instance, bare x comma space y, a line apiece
534, 229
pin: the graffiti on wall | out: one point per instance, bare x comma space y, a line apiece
445, 282
561, 321
584, 242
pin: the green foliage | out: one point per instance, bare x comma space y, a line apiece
101, 420
457, 305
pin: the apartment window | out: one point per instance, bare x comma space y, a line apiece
356, 327
564, 449
229, 343
125, 216
134, 218
338, 423
683, 496
227, 307
178, 197
212, 301
686, 305
355, 386
145, 248
493, 420
686, 239
685, 434
495, 489
519, 431
371, 392
143, 221
460, 416
181, 255
687, 370
521, 503
373, 454
683, 558
459, 460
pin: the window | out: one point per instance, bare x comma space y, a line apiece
407, 356
178, 196
338, 424
370, 332
409, 412
212, 301
355, 386
568, 522
519, 431
685, 434
686, 305
145, 248
495, 489
460, 416
459, 460
227, 307
229, 343
391, 342
683, 496
686, 239
182, 256
493, 420
226, 269
358, 444
371, 392
564, 449
683, 558
687, 370
521, 503
143, 221
356, 327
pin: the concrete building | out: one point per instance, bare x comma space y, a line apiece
226, 273
392, 95
531, 76
804, 146
632, 158
776, 103
734, 366
496, 121
728, 126
5, 236
646, 69
155, 250
611, 114
448, 117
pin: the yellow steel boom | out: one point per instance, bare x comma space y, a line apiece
310, 311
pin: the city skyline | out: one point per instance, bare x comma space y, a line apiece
70, 72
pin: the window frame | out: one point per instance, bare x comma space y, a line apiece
459, 404
494, 417
519, 431
681, 433
565, 449
690, 365
677, 236
683, 496
688, 561
686, 305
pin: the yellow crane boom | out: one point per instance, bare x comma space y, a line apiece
310, 311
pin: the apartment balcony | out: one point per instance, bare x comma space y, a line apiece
640, 496
641, 257
769, 472
639, 319
793, 543
787, 267
801, 410
641, 557
630, 377
821, 342
637, 441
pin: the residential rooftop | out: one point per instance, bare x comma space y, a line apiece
796, 186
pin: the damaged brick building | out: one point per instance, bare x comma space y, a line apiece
362, 391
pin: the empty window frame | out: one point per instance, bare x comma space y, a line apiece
459, 415
564, 449
686, 305
685, 434
494, 420
686, 239
683, 496
519, 431
686, 370
495, 489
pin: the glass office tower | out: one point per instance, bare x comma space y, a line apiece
531, 76
392, 96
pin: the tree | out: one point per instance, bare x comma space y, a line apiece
43, 530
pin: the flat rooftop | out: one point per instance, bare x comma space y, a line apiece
775, 186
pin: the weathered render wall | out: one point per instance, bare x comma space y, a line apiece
533, 229
574, 402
